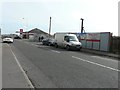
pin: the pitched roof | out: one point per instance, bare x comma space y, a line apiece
36, 30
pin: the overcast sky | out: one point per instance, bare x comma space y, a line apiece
98, 15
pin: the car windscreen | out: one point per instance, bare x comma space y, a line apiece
72, 38
6, 37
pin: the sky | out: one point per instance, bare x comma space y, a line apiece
98, 15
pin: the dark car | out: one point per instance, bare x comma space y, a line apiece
52, 42
45, 41
17, 37
48, 41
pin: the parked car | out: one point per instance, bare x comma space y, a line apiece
48, 41
51, 42
45, 41
17, 37
7, 40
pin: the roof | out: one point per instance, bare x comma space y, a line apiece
38, 31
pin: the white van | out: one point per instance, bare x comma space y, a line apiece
68, 41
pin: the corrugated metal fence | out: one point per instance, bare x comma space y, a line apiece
97, 41
115, 45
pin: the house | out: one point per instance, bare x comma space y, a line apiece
24, 35
36, 34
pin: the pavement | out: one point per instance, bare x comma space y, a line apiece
0, 63
102, 53
12, 75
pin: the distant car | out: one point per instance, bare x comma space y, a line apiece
17, 37
51, 42
48, 41
7, 40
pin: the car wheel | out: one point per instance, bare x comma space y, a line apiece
56, 45
49, 44
68, 47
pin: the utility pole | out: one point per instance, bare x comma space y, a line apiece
25, 23
0, 31
82, 28
50, 26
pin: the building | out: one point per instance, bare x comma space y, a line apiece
37, 34
24, 35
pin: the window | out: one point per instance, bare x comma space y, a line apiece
66, 38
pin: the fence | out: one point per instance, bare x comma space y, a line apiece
115, 45
97, 41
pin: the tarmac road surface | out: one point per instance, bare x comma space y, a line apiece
49, 67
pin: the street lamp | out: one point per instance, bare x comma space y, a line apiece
0, 31
26, 23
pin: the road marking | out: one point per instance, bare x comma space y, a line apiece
25, 75
104, 58
96, 64
42, 46
34, 45
55, 51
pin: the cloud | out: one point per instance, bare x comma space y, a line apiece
65, 14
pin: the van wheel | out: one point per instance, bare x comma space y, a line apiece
68, 47
49, 44
56, 45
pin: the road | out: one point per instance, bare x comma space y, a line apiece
49, 67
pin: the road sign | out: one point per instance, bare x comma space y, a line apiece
21, 30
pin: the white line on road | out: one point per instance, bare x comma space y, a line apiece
55, 51
34, 45
25, 75
96, 64
104, 58
42, 46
